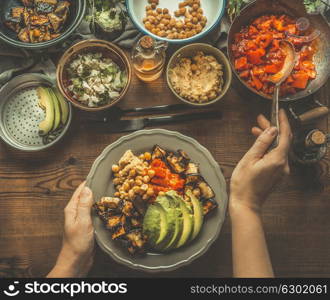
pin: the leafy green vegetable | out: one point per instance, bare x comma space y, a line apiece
234, 8
314, 6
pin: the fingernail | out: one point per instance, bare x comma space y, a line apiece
85, 194
272, 131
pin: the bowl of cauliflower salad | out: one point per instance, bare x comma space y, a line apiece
94, 78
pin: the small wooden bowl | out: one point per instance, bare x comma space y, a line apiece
92, 46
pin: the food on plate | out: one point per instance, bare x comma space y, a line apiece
94, 79
258, 56
38, 20
160, 201
187, 21
198, 79
56, 113
107, 15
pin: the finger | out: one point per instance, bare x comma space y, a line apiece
262, 143
263, 122
256, 131
285, 133
85, 205
73, 203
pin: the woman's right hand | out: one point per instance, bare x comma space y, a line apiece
259, 170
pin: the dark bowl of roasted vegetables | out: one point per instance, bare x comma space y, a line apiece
37, 24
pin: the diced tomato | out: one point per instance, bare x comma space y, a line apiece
300, 80
241, 63
264, 40
158, 163
255, 56
258, 70
244, 74
273, 69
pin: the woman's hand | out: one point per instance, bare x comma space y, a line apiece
76, 256
259, 170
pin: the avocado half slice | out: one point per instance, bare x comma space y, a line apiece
197, 214
188, 224
46, 102
63, 105
178, 220
57, 109
155, 224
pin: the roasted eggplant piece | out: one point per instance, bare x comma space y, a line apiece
55, 21
62, 9
38, 20
158, 152
175, 163
136, 222
140, 205
192, 180
119, 233
206, 190
114, 221
24, 35
45, 6
192, 168
208, 205
111, 202
184, 158
137, 241
16, 13
128, 209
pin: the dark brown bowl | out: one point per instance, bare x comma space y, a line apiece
296, 9
107, 49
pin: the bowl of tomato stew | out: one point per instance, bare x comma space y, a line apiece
255, 55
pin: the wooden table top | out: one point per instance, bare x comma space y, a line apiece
35, 188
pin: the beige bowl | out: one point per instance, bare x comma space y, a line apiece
107, 49
190, 51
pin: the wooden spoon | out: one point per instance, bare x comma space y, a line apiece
278, 78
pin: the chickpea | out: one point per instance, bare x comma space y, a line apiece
162, 33
159, 10
116, 194
177, 13
182, 4
144, 187
145, 197
145, 19
165, 11
194, 14
132, 173
150, 192
195, 6
115, 168
161, 193
167, 16
150, 13
189, 25
172, 22
116, 181
148, 7
170, 36
148, 25
131, 194
183, 11
153, 6
200, 11
154, 30
151, 173
199, 28
190, 2
146, 179
179, 25
136, 189
138, 182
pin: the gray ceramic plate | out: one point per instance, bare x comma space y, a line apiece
99, 180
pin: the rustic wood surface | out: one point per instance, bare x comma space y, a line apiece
35, 187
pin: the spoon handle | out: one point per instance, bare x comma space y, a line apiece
274, 114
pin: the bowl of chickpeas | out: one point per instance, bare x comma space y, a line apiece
199, 74
176, 21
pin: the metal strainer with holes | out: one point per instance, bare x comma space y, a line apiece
20, 113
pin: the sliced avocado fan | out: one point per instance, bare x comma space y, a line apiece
46, 103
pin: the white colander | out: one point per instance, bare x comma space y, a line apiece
20, 114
